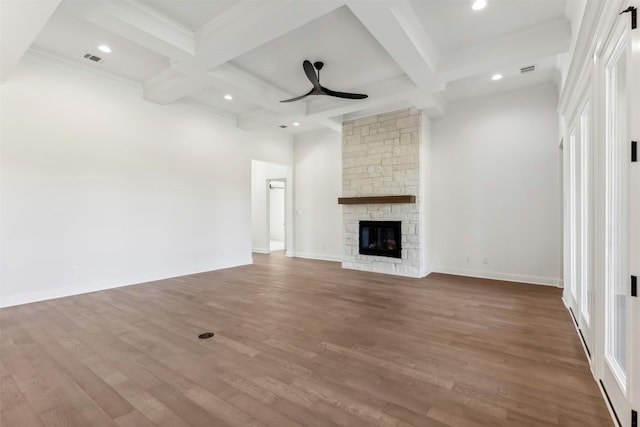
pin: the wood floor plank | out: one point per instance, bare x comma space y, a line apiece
298, 343
218, 407
14, 407
188, 410
149, 406
349, 404
22, 415
134, 419
261, 411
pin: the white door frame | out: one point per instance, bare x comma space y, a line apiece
634, 213
585, 310
616, 260
269, 181
589, 73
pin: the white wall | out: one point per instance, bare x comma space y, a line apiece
101, 188
495, 192
260, 173
318, 184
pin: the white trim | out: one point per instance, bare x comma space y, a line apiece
577, 328
318, 132
223, 115
606, 402
510, 277
90, 69
260, 251
584, 48
96, 286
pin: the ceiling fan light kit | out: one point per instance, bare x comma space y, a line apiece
310, 71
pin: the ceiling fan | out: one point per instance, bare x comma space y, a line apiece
317, 88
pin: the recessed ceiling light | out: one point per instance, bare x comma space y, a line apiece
104, 48
496, 76
228, 97
296, 124
479, 4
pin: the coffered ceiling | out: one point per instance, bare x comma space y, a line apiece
401, 53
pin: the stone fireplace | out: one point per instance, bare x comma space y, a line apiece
381, 156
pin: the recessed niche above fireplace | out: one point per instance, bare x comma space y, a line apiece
381, 238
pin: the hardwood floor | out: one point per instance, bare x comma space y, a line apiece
298, 343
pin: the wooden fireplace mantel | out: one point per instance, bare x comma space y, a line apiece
405, 198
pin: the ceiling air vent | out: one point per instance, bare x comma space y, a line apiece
528, 69
93, 58
282, 126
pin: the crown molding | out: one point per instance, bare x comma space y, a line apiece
598, 18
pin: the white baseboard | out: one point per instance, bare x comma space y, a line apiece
535, 280
612, 413
321, 257
102, 285
591, 365
260, 251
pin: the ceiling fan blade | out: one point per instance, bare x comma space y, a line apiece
344, 94
311, 73
299, 97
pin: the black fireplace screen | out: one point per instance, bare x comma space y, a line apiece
380, 238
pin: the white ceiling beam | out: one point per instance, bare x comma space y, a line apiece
323, 109
330, 123
380, 93
398, 29
258, 118
518, 49
142, 25
433, 103
374, 111
245, 85
20, 23
168, 86
241, 29
251, 24
266, 118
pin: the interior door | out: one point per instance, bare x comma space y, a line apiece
619, 59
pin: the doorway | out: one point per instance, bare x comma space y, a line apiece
271, 207
277, 209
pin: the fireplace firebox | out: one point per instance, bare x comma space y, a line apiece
381, 238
